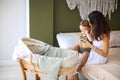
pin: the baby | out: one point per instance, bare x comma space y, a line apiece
85, 34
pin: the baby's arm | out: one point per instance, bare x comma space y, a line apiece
76, 47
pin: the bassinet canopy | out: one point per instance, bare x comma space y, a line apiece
87, 6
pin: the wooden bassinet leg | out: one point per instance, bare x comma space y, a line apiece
66, 77
22, 69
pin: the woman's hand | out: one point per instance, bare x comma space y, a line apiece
85, 44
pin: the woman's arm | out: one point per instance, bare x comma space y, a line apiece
105, 46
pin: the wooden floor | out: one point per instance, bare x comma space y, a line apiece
13, 72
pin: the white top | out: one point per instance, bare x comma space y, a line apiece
95, 58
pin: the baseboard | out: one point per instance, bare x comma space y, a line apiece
8, 62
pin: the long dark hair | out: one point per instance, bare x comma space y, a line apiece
99, 23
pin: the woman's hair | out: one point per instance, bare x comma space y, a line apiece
99, 24
85, 23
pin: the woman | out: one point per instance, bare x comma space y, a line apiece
100, 45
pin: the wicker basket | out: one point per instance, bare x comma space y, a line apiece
68, 66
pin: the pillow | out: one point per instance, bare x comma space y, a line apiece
114, 40
67, 40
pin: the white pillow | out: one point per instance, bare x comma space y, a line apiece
67, 40
114, 40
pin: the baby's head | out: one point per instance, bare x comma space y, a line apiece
84, 26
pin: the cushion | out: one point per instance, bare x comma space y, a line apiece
67, 40
114, 40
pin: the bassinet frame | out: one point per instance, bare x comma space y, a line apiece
30, 66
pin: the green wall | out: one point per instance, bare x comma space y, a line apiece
41, 20
49, 17
115, 19
65, 20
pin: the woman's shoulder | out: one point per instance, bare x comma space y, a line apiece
105, 36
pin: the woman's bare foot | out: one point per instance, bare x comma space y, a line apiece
75, 77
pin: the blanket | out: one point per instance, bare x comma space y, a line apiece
50, 60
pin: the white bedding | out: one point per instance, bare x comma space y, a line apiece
108, 71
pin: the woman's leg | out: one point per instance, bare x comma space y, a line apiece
82, 63
83, 60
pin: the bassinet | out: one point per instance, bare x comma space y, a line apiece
31, 47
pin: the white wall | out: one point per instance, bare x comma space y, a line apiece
14, 22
